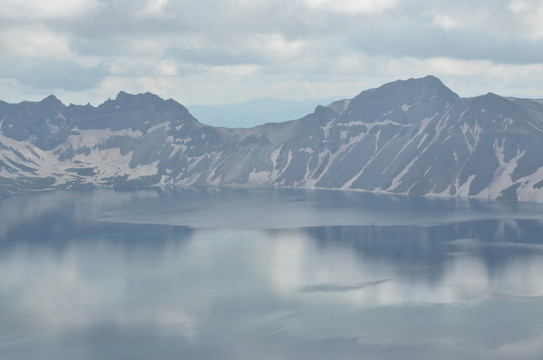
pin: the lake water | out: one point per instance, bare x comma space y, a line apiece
268, 274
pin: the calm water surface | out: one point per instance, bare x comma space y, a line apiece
268, 274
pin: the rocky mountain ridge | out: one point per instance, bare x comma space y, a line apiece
413, 137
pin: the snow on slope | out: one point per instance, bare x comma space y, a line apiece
411, 137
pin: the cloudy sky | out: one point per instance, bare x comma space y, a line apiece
220, 51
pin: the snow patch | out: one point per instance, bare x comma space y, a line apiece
92, 138
376, 153
463, 190
327, 128
422, 140
502, 176
527, 192
311, 181
397, 180
274, 155
143, 170
258, 177
371, 125
193, 161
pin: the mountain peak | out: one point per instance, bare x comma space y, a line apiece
413, 137
125, 99
51, 100
429, 79
496, 104
425, 87
400, 100
122, 95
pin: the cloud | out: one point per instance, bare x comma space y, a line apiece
51, 9
51, 75
34, 43
445, 22
155, 8
350, 6
528, 16
297, 48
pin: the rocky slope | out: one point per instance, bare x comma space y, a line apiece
413, 137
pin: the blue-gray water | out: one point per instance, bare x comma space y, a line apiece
268, 274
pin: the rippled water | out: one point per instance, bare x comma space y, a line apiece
268, 274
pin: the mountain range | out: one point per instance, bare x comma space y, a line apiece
413, 137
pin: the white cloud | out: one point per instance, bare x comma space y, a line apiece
528, 17
305, 48
31, 9
275, 46
523, 6
155, 8
446, 22
34, 42
350, 6
167, 68
235, 70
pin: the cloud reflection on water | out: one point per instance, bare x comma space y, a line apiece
120, 290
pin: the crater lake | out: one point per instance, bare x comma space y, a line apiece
238, 273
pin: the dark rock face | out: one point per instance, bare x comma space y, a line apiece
413, 137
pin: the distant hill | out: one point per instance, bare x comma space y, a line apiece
256, 111
414, 137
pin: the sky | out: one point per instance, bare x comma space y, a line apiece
225, 51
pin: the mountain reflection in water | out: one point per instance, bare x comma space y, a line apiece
224, 274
